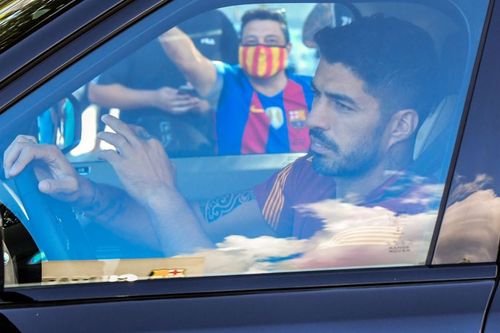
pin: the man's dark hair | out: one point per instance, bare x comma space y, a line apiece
266, 14
397, 60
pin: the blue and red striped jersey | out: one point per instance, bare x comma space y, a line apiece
249, 122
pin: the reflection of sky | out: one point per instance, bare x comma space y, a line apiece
471, 224
463, 189
352, 236
356, 236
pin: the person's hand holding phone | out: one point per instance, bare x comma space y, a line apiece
173, 101
187, 90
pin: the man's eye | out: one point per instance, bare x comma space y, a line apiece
249, 42
342, 106
272, 41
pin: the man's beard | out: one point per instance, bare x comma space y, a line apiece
353, 163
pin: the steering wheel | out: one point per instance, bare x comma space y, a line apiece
52, 223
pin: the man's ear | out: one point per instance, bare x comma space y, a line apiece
402, 125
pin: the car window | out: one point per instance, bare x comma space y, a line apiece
248, 139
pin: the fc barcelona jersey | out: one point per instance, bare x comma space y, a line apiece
283, 198
249, 122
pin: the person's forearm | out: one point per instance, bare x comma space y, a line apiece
178, 229
163, 222
196, 67
115, 210
121, 97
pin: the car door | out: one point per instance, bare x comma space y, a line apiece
435, 270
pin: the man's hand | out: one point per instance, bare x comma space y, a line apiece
202, 105
170, 100
55, 174
148, 176
139, 161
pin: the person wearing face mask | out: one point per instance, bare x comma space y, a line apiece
152, 93
261, 107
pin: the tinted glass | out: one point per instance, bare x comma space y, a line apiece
321, 141
471, 223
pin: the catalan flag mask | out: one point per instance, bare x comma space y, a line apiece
263, 61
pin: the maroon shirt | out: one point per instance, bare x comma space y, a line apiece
280, 197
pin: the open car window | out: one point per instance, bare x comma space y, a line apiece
248, 139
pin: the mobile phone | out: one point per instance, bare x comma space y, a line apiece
183, 90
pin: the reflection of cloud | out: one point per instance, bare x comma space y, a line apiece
463, 190
366, 236
239, 254
425, 195
351, 236
470, 228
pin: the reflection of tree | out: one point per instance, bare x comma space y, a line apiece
7, 216
18, 18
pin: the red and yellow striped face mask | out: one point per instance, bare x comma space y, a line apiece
263, 61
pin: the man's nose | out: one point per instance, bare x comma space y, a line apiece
317, 116
262, 40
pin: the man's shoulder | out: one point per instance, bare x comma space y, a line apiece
407, 193
296, 184
296, 168
303, 164
233, 76
300, 165
305, 83
228, 69
303, 80
302, 176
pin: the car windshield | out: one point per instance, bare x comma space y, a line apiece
18, 18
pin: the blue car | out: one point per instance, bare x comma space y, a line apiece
236, 165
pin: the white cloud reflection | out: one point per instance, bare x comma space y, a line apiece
352, 236
470, 228
357, 236
425, 195
463, 189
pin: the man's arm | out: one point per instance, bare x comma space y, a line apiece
235, 213
57, 177
116, 211
179, 227
198, 70
121, 97
176, 227
150, 210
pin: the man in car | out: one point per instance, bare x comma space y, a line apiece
373, 86
261, 107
